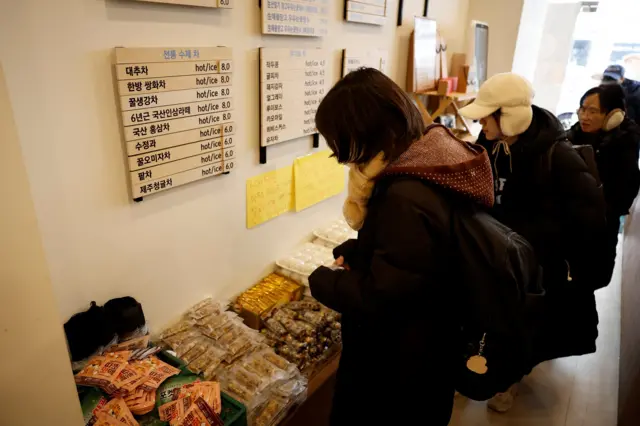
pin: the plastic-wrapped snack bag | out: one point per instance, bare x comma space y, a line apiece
213, 356
179, 327
270, 413
159, 374
304, 305
200, 414
117, 408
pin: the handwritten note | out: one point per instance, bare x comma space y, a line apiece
269, 195
316, 178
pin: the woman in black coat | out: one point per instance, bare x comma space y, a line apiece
616, 141
393, 284
544, 192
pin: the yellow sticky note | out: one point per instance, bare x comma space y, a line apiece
316, 178
269, 195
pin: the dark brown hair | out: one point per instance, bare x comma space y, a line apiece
366, 113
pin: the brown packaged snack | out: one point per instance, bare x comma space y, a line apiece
128, 375
103, 419
200, 414
209, 391
159, 374
117, 408
102, 371
275, 326
212, 357
171, 411
141, 402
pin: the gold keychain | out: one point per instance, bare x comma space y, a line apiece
478, 363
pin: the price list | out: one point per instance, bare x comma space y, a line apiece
352, 59
371, 12
295, 17
177, 113
226, 4
292, 85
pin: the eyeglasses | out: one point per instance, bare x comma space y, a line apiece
590, 111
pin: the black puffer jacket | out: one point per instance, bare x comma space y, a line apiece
558, 207
399, 326
617, 157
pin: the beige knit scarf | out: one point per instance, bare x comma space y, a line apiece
361, 184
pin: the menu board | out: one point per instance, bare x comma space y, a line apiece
371, 12
292, 85
295, 17
352, 59
226, 4
177, 114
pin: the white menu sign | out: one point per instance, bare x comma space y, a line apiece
292, 84
371, 12
352, 59
226, 4
295, 17
177, 113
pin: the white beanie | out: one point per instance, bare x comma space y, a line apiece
512, 95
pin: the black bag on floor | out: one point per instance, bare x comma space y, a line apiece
500, 284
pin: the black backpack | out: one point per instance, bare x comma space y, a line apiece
501, 284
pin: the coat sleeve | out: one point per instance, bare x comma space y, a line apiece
582, 217
403, 256
623, 176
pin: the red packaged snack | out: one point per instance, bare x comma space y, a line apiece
161, 372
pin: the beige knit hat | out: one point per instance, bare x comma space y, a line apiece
510, 93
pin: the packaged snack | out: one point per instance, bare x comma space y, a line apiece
101, 371
103, 419
239, 392
176, 341
209, 391
141, 402
268, 414
217, 333
275, 326
304, 305
210, 323
173, 410
130, 345
117, 408
92, 403
276, 360
317, 318
200, 414
197, 349
159, 374
127, 376
213, 356
179, 327
142, 368
168, 391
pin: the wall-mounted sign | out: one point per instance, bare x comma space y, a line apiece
295, 17
423, 67
177, 113
292, 84
225, 4
372, 12
352, 59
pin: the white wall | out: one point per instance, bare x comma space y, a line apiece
553, 56
174, 248
35, 368
530, 34
503, 17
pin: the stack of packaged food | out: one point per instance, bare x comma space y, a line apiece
300, 263
217, 344
185, 400
304, 332
134, 381
257, 301
333, 235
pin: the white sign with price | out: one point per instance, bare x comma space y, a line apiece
177, 114
293, 82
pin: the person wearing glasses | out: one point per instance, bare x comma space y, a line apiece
605, 125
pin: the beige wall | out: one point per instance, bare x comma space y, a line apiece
172, 249
503, 17
35, 370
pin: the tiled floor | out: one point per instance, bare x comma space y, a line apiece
581, 391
